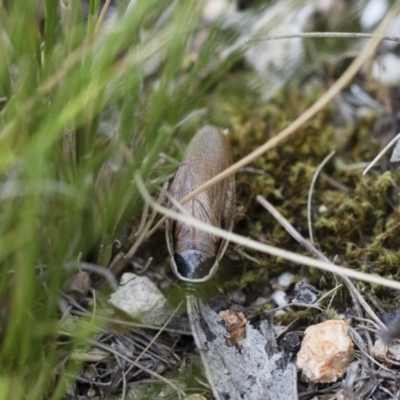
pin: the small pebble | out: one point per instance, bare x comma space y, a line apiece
216, 9
386, 69
139, 297
326, 351
279, 297
305, 293
291, 342
322, 209
285, 279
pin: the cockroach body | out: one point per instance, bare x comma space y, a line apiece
195, 254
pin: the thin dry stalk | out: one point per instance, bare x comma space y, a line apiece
343, 35
104, 272
139, 366
156, 336
123, 373
102, 15
120, 260
381, 153
310, 192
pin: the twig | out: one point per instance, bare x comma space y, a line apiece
142, 223
145, 266
89, 381
97, 269
388, 392
357, 339
381, 153
160, 331
245, 255
139, 366
120, 259
310, 192
122, 368
317, 35
101, 16
348, 382
94, 307
156, 336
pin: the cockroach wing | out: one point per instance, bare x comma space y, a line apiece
194, 253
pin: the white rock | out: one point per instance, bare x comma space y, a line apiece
392, 30
139, 297
326, 351
386, 69
215, 9
322, 209
373, 12
279, 297
275, 60
285, 279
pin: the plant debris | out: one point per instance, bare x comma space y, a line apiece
236, 325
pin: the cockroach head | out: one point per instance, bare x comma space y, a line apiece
193, 265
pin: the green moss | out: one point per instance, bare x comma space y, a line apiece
354, 218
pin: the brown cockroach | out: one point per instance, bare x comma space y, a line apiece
195, 254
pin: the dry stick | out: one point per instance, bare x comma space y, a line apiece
264, 248
139, 366
381, 153
159, 332
143, 219
314, 179
120, 259
145, 266
356, 296
328, 35
351, 71
155, 337
357, 339
104, 272
349, 380
102, 15
122, 373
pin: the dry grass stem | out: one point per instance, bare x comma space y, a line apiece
101, 16
344, 35
120, 260
97, 269
139, 366
156, 336
309, 200
381, 153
